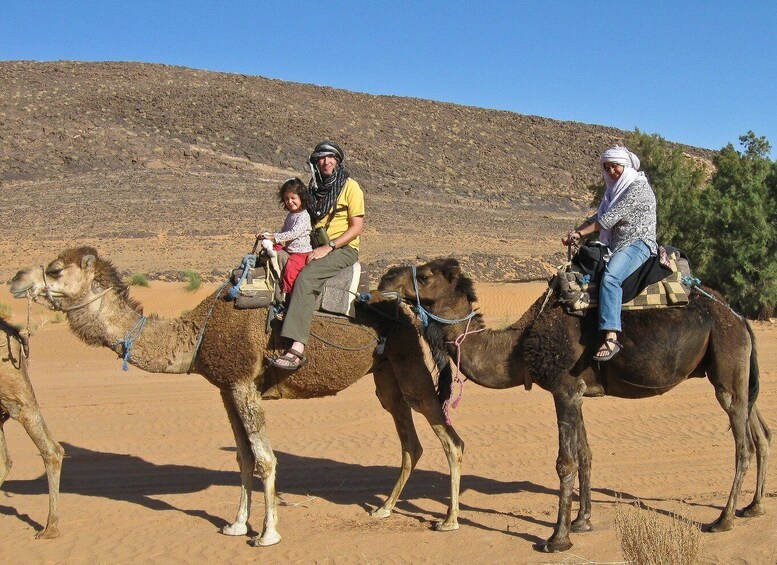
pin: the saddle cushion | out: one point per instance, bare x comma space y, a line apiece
340, 292
579, 291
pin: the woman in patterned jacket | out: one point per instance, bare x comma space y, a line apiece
626, 222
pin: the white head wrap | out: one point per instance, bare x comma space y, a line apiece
615, 189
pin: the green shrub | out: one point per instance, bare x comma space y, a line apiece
137, 279
193, 280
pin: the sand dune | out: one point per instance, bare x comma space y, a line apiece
150, 474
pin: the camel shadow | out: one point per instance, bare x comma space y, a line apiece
129, 478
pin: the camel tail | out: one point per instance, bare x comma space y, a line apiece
436, 340
755, 376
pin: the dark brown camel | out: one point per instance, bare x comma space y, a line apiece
662, 348
231, 357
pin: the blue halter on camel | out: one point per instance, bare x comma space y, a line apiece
424, 314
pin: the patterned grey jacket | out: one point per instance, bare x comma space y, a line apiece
633, 217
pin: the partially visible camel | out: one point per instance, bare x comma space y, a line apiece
17, 401
231, 356
662, 348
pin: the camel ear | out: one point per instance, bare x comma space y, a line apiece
451, 269
87, 262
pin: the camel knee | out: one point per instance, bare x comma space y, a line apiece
565, 467
53, 457
266, 466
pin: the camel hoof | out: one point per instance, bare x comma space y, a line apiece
236, 529
581, 525
446, 526
754, 509
721, 525
265, 540
48, 533
551, 546
381, 512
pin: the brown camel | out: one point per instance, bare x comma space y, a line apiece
17, 401
231, 356
662, 348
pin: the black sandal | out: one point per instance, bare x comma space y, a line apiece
293, 361
611, 351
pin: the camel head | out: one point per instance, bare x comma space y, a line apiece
437, 282
74, 277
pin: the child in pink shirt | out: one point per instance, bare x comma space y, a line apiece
294, 236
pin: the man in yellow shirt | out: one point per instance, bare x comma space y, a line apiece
337, 205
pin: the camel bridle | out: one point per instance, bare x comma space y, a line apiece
56, 303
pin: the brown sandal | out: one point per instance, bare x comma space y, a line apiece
611, 346
293, 361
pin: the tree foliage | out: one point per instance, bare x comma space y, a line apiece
740, 209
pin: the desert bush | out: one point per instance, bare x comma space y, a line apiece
58, 318
5, 311
193, 280
137, 279
648, 538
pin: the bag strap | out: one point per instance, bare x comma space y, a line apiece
332, 213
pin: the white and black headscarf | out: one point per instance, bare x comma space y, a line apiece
615, 189
325, 192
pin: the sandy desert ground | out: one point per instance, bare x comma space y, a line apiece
150, 474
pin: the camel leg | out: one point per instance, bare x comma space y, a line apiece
390, 396
454, 451
245, 461
418, 391
5, 457
568, 401
761, 437
735, 406
248, 404
52, 454
582, 523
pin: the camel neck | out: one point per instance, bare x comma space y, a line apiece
158, 345
487, 357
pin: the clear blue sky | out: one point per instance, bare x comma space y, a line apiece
697, 72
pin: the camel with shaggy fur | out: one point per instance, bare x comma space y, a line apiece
661, 348
227, 346
17, 401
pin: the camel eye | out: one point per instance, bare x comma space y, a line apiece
54, 271
423, 278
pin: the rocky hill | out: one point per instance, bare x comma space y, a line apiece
168, 168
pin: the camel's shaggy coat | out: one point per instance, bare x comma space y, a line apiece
661, 348
231, 357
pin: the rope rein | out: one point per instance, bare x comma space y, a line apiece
453, 402
694, 283
129, 341
204, 324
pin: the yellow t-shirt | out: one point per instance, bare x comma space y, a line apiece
350, 203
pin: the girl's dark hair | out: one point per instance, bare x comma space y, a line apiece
296, 186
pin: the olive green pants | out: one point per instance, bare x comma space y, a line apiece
307, 288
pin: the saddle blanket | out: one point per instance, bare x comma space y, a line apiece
578, 293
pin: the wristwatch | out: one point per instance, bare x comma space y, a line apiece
332, 244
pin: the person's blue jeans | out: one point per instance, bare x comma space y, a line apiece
622, 264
